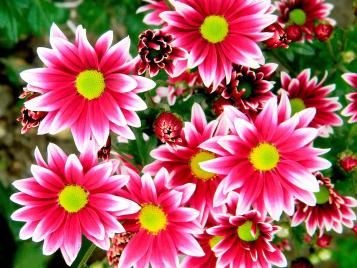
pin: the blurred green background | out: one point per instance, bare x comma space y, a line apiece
24, 26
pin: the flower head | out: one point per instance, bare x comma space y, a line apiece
68, 197
351, 109
220, 34
245, 241
305, 91
164, 226
157, 52
324, 241
323, 31
87, 89
331, 211
183, 161
347, 161
294, 33
279, 39
168, 128
268, 160
249, 88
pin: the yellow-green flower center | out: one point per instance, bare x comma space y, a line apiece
196, 170
323, 195
90, 84
264, 157
297, 16
73, 198
297, 105
214, 241
245, 233
152, 218
214, 29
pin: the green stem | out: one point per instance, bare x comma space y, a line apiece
86, 256
339, 66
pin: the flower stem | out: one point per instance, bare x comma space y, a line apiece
86, 256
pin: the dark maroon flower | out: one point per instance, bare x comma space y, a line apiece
119, 241
29, 119
323, 31
347, 161
331, 211
279, 39
168, 128
218, 105
301, 262
104, 152
157, 52
249, 89
294, 33
324, 241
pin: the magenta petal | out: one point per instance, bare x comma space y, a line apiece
90, 221
73, 169
135, 249
73, 239
187, 245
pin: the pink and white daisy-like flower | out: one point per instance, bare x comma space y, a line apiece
351, 109
164, 227
156, 7
88, 89
68, 197
183, 161
218, 34
268, 160
245, 241
332, 210
305, 91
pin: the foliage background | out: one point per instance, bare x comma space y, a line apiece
24, 26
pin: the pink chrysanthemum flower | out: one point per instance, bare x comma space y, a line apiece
269, 160
69, 197
305, 91
245, 241
218, 34
156, 7
351, 109
331, 211
304, 13
89, 90
164, 226
183, 160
